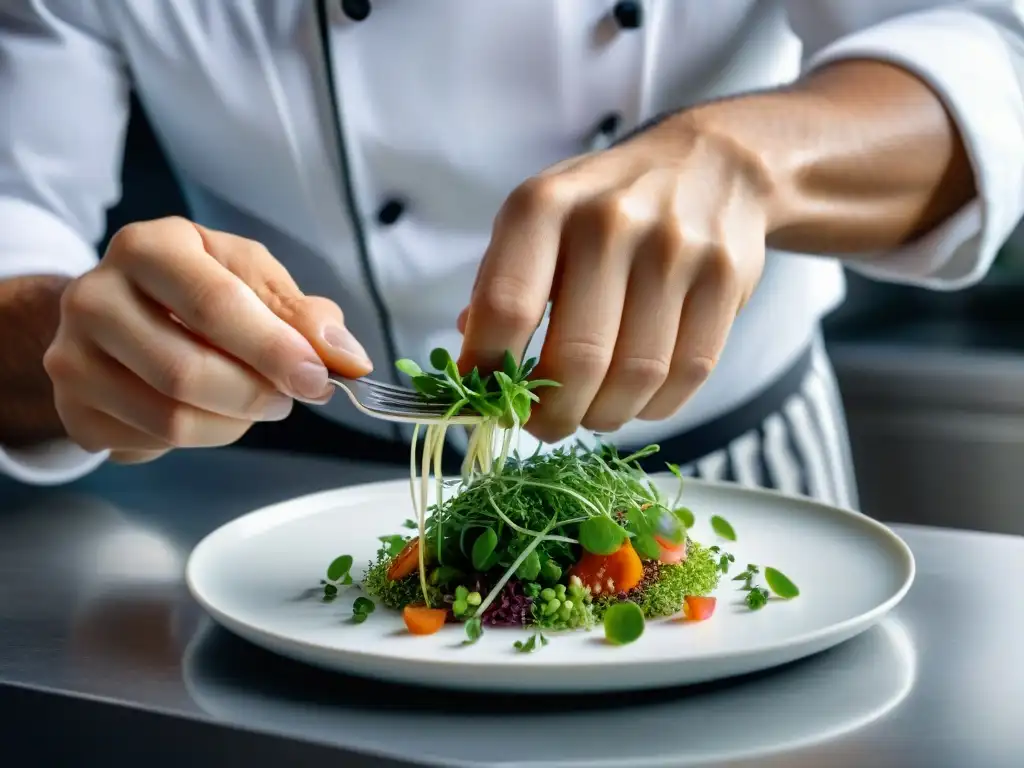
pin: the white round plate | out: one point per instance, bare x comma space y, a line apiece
258, 577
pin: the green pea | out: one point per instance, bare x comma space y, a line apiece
460, 607
552, 606
568, 604
547, 595
565, 612
560, 591
473, 598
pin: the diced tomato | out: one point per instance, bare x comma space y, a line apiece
610, 574
407, 561
671, 553
698, 608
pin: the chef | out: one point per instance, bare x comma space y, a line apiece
654, 196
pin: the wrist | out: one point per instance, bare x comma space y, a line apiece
29, 316
746, 129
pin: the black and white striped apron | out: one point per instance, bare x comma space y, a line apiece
791, 437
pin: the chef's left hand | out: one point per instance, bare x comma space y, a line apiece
647, 252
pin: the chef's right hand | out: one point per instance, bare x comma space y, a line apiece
184, 337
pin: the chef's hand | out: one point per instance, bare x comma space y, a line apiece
184, 336
647, 252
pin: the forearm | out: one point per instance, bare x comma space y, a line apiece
860, 157
29, 315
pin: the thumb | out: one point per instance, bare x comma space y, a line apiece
322, 322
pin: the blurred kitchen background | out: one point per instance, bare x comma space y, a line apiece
933, 382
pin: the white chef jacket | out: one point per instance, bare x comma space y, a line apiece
444, 107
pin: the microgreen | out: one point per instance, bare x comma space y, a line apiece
474, 630
757, 598
362, 607
505, 396
393, 544
338, 570
535, 641
685, 516
338, 575
623, 623
721, 526
601, 535
780, 584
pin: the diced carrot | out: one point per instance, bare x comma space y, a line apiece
407, 561
610, 574
420, 620
698, 608
671, 553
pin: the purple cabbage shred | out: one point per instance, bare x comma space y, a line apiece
511, 608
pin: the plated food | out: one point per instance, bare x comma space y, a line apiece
572, 539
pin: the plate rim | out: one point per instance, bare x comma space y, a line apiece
840, 629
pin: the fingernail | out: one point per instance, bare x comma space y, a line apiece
341, 340
277, 408
309, 382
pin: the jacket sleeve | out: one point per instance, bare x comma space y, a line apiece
64, 97
972, 55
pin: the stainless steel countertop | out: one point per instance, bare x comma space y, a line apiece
98, 634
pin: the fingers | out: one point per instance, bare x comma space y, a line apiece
135, 457
141, 336
321, 321
515, 277
585, 316
707, 316
168, 261
104, 385
650, 322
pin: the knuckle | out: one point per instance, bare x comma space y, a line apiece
590, 357
211, 301
697, 368
275, 358
637, 372
84, 298
506, 301
57, 363
604, 216
128, 239
534, 197
176, 375
721, 263
664, 247
178, 426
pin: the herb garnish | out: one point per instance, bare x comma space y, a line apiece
721, 526
362, 607
531, 644
777, 581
